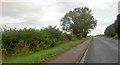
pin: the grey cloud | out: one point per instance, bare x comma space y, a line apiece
64, 7
105, 14
26, 23
26, 11
18, 9
31, 13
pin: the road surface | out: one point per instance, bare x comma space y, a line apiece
99, 50
102, 50
73, 55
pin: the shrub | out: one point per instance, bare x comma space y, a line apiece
29, 40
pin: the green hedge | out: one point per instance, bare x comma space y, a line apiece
20, 41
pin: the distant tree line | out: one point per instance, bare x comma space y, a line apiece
113, 29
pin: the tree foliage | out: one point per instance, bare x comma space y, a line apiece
110, 31
114, 29
80, 21
117, 25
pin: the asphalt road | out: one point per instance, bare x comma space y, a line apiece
73, 55
102, 50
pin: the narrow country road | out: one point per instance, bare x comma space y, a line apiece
99, 50
102, 50
73, 55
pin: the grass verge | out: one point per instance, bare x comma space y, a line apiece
44, 55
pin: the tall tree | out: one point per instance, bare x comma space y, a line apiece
110, 31
117, 25
80, 21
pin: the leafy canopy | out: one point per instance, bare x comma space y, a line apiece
110, 31
80, 21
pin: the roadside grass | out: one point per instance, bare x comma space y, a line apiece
44, 55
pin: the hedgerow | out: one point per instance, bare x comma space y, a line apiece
20, 41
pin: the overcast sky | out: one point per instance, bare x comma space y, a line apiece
42, 13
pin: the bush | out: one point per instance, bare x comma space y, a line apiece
23, 40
